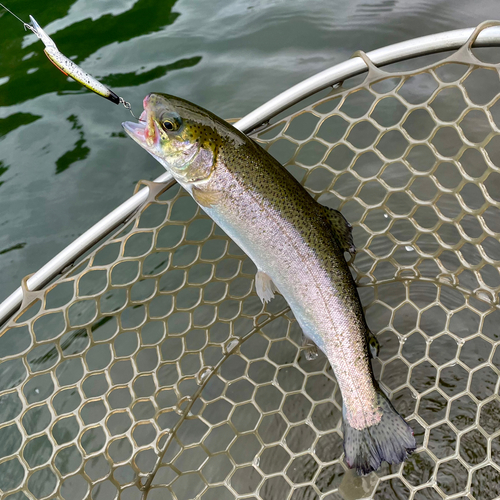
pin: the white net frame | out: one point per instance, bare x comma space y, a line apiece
151, 370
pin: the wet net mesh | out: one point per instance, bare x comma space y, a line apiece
151, 369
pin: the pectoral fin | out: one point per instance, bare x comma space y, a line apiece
206, 198
341, 229
264, 287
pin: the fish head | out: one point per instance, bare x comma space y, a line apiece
183, 137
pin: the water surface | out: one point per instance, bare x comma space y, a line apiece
64, 161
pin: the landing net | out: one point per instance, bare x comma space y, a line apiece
152, 371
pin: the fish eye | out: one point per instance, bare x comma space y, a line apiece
170, 122
168, 125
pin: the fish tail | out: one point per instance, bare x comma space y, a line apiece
390, 440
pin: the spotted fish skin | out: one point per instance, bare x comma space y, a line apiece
293, 240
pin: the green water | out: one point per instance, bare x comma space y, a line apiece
64, 161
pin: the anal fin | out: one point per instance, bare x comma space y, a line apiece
341, 229
373, 344
311, 350
264, 287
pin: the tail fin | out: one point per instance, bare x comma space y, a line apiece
390, 440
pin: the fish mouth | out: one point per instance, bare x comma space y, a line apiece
145, 133
141, 134
136, 131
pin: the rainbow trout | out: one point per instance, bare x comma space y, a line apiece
298, 248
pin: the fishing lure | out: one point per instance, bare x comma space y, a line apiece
67, 66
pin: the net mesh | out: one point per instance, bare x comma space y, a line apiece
152, 370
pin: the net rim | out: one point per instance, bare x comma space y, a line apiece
430, 44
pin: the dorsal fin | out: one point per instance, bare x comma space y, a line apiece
341, 229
